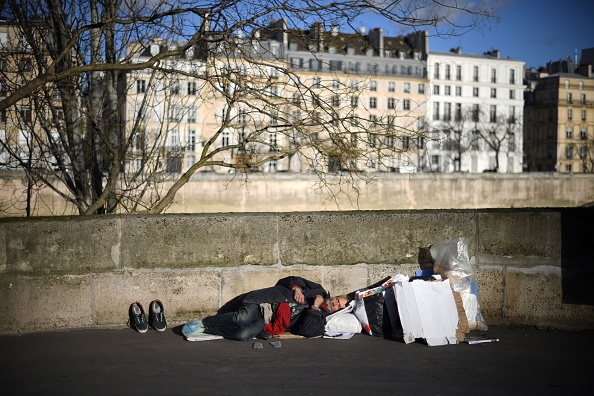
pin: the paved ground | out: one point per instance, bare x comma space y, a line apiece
121, 361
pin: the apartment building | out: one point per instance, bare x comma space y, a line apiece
559, 117
366, 86
475, 111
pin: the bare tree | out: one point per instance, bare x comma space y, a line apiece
458, 133
75, 64
499, 134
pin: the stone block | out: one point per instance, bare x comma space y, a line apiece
520, 233
339, 238
76, 245
44, 303
189, 241
186, 295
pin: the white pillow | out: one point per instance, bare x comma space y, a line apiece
345, 323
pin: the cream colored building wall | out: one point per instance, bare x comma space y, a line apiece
575, 115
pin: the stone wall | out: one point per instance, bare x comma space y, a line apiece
532, 265
284, 192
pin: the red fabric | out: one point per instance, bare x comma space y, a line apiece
281, 320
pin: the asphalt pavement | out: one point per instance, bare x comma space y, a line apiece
524, 361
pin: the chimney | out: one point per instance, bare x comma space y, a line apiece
334, 30
376, 38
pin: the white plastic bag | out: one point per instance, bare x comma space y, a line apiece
451, 260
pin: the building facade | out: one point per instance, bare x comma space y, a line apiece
364, 88
559, 118
475, 111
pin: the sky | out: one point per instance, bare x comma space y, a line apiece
531, 31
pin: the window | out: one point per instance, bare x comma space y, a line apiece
372, 68
583, 115
569, 132
373, 103
583, 152
475, 92
314, 64
373, 86
140, 86
569, 151
566, 84
391, 103
458, 73
191, 146
475, 74
512, 94
25, 112
354, 67
3, 64
512, 76
421, 88
391, 86
493, 92
406, 87
493, 113
569, 114
475, 113
354, 102
225, 139
436, 90
583, 100
354, 85
435, 160
569, 98
458, 91
192, 114
335, 101
511, 142
174, 87
335, 84
448, 72
25, 65
447, 112
296, 63
493, 75
273, 141
583, 133
458, 112
436, 111
24, 137
406, 104
336, 65
447, 90
568, 168
316, 82
406, 142
192, 88
436, 71
512, 114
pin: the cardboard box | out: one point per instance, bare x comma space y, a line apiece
427, 310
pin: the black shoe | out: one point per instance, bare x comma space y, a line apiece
138, 318
157, 316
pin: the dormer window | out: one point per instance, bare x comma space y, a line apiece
400, 54
416, 55
154, 49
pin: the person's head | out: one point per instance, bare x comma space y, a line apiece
337, 303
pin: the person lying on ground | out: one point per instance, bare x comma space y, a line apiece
294, 305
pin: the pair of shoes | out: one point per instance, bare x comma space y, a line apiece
156, 320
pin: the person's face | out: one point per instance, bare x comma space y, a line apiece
337, 303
